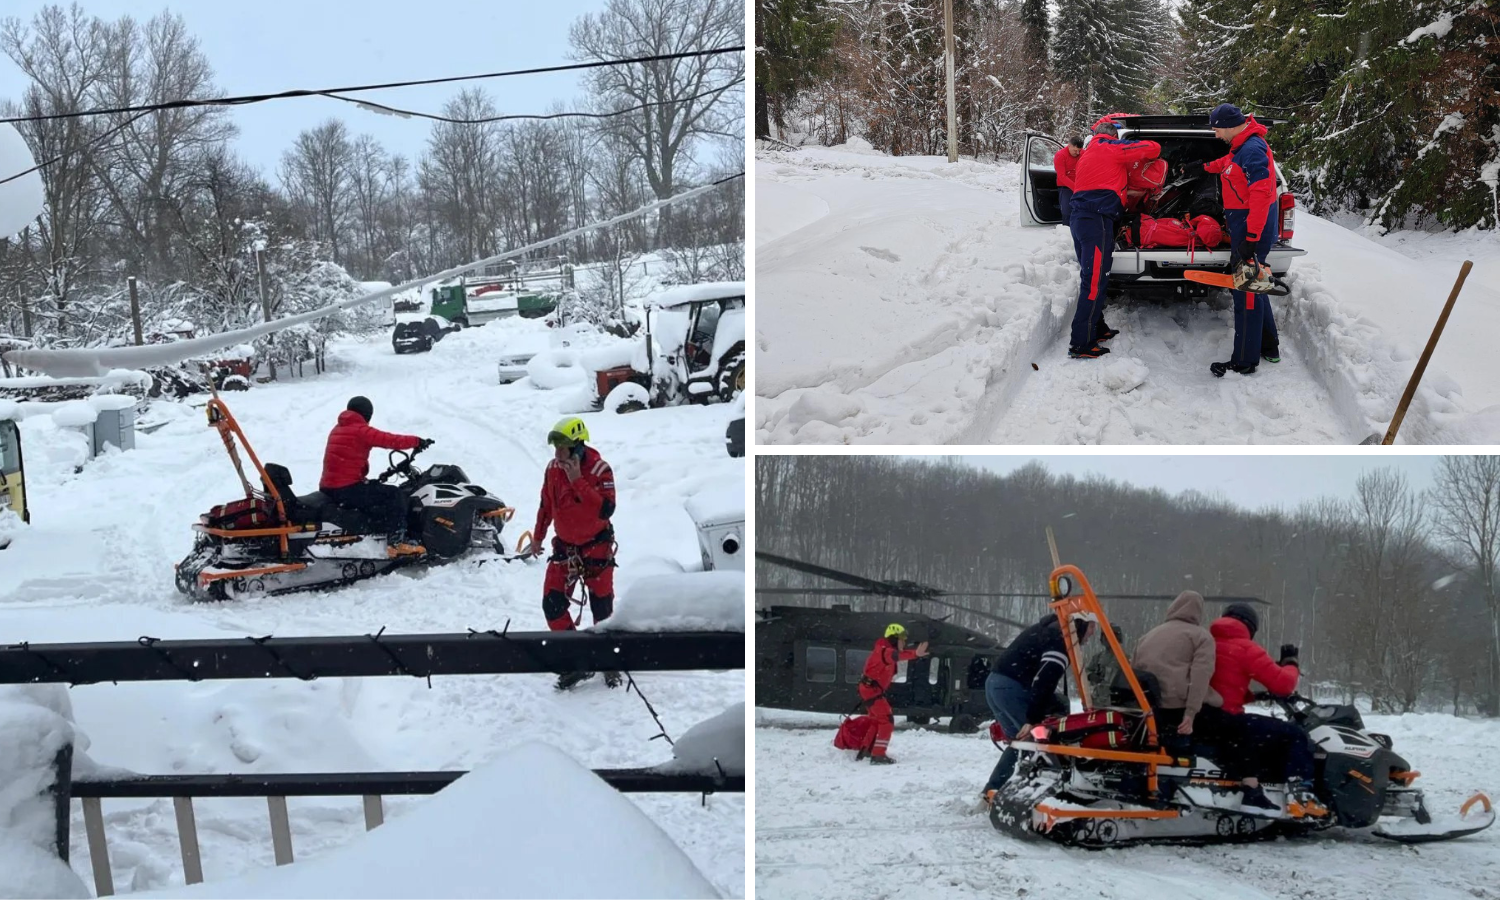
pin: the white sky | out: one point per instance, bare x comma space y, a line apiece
1248, 481
276, 45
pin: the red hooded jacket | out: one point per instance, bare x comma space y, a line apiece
1247, 175
346, 460
1238, 660
1105, 164
581, 508
1066, 165
881, 667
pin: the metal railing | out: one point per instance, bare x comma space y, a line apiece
371, 787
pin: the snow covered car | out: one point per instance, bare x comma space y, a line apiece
418, 336
1183, 140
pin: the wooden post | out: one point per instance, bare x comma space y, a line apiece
374, 812
187, 838
93, 827
948, 62
135, 311
1416, 376
281, 830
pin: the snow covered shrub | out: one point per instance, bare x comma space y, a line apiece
554, 369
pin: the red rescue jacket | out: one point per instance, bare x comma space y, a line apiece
1066, 165
881, 668
1238, 660
581, 508
346, 460
1105, 164
1247, 175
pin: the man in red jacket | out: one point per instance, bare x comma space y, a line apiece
1247, 177
1066, 165
578, 497
880, 671
1098, 201
346, 464
1268, 747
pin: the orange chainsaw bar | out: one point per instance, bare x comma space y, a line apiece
1217, 279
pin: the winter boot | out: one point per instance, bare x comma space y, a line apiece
398, 545
1091, 352
1254, 799
569, 680
1105, 332
1218, 369
881, 761
1271, 356
987, 797
613, 679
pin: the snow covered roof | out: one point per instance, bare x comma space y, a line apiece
691, 293
717, 505
493, 833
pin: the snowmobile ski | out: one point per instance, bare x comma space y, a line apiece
1244, 279
1415, 831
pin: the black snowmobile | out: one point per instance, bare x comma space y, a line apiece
1103, 778
275, 542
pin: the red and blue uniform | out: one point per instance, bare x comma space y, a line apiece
1247, 179
584, 549
880, 671
1097, 203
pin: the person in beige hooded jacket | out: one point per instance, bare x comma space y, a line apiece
1180, 653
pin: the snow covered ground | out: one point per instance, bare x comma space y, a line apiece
902, 302
829, 828
96, 564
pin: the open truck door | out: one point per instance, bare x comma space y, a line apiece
1040, 204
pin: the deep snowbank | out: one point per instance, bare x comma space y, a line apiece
690, 601
503, 830
714, 746
34, 726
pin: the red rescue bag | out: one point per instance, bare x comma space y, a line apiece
997, 733
252, 512
1165, 233
1208, 231
857, 733
1102, 729
1147, 176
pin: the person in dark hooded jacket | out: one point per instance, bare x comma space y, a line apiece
1247, 177
1021, 684
1267, 747
346, 467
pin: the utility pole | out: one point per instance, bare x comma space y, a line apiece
265, 307
25, 313
135, 310
948, 59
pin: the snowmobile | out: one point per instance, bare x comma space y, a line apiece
1105, 778
275, 542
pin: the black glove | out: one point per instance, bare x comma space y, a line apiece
1246, 249
1192, 168
1288, 654
423, 444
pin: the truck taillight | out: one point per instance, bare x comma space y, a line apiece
1288, 206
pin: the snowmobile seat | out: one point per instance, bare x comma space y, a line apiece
313, 508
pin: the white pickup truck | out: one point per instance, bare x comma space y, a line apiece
1183, 139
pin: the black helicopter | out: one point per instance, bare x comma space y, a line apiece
810, 659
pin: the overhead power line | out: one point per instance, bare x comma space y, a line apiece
407, 113
261, 98
64, 155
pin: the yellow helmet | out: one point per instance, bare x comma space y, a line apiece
895, 630
569, 432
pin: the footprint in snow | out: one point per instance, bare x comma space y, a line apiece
878, 253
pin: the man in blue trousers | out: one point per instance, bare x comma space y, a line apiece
1098, 201
1247, 177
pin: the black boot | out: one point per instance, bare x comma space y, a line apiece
1218, 369
613, 679
1255, 798
881, 761
569, 680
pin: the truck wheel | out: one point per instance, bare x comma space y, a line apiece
731, 380
963, 723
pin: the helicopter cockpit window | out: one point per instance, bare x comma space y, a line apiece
854, 665
822, 664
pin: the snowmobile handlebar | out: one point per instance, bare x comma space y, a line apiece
1293, 703
401, 466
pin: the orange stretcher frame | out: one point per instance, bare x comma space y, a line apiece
1073, 597
229, 430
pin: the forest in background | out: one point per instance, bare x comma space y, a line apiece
165, 198
1392, 107
1390, 593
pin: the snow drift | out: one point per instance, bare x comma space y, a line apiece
495, 832
34, 726
690, 601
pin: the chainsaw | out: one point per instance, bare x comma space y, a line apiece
1249, 275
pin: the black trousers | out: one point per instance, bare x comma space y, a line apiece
383, 503
1212, 729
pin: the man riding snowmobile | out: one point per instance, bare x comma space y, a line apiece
578, 496
346, 465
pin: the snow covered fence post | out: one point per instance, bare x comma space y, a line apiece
36, 764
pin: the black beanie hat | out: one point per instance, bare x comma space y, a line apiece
1245, 613
363, 406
